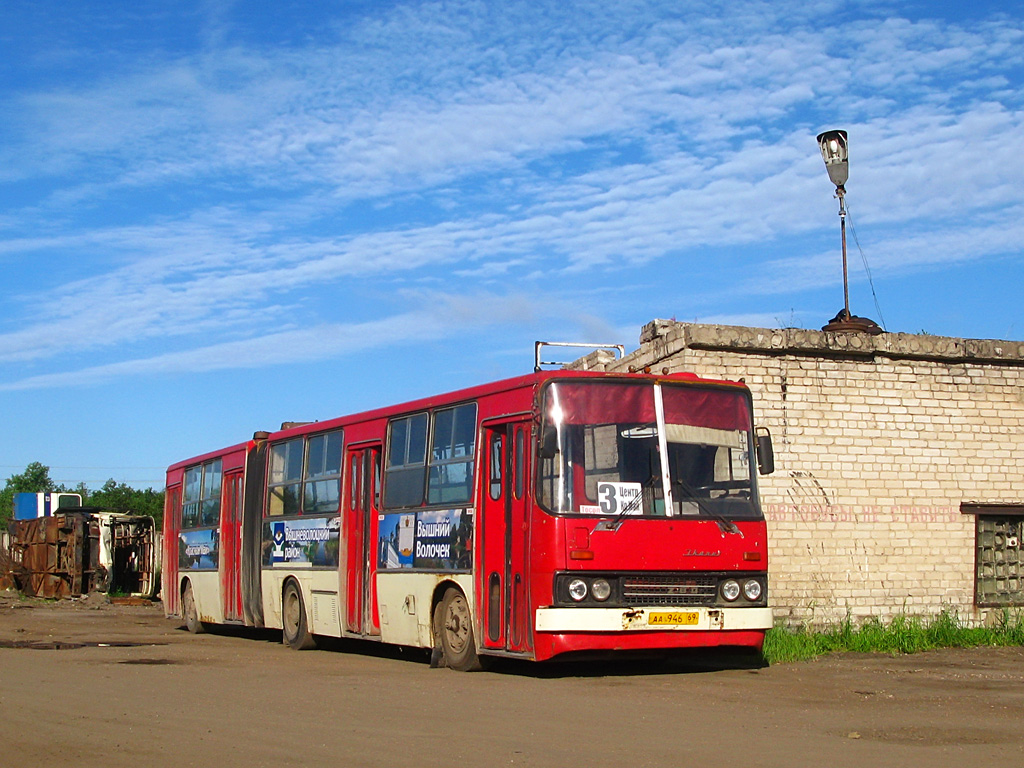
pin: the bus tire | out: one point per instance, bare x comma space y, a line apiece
454, 624
293, 619
189, 612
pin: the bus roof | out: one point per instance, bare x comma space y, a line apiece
531, 380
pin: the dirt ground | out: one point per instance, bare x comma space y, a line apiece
88, 683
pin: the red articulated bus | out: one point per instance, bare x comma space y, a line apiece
558, 513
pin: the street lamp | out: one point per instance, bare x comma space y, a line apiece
835, 152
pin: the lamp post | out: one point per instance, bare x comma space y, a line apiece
836, 154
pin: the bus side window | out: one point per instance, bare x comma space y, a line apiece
453, 446
353, 485
202, 495
193, 493
376, 478
496, 466
520, 470
322, 478
285, 481
406, 472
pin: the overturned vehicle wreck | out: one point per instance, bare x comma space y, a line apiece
75, 551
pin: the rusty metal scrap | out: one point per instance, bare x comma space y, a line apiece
83, 550
6, 569
55, 556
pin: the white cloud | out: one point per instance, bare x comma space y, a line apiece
220, 193
435, 315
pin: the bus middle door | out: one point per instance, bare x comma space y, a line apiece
359, 563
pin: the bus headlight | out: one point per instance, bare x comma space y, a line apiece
601, 589
577, 589
730, 589
752, 590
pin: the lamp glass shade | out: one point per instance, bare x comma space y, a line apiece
835, 153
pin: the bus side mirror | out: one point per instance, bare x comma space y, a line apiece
765, 451
549, 442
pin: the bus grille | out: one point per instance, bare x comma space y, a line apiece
669, 590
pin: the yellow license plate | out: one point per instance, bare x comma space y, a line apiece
673, 618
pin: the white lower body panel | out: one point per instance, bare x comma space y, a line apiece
206, 594
404, 601
320, 598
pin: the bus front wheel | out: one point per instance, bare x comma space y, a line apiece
293, 615
453, 623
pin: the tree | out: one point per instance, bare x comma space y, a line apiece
82, 490
113, 495
123, 498
35, 479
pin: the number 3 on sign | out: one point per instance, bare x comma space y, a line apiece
620, 498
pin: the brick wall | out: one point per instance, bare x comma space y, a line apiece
878, 441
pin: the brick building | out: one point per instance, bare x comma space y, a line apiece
899, 482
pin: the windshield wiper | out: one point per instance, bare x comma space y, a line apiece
613, 523
725, 525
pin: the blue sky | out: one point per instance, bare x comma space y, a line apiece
218, 216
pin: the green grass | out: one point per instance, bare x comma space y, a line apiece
902, 634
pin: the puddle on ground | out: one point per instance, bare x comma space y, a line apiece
50, 645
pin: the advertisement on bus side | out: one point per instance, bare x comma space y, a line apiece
437, 539
306, 541
198, 550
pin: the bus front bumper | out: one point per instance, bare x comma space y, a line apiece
652, 619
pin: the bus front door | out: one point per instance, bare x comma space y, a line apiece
504, 525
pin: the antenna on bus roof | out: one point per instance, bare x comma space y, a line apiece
538, 345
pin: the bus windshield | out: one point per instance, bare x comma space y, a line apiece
646, 449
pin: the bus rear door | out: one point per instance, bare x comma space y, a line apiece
231, 546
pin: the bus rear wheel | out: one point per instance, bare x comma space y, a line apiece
293, 619
189, 612
454, 627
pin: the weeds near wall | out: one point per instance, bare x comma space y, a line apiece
903, 634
